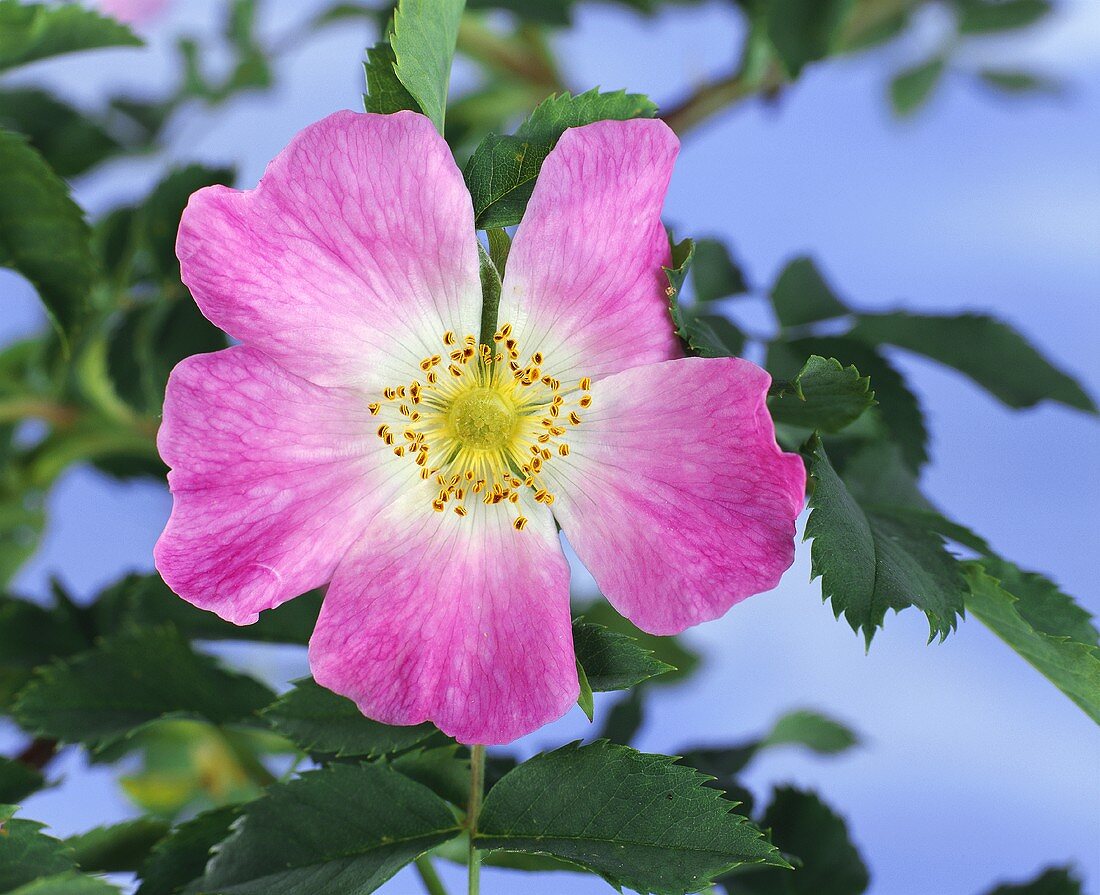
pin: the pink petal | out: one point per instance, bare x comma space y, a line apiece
272, 478
463, 622
584, 284
132, 12
675, 495
349, 260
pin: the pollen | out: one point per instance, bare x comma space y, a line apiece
484, 432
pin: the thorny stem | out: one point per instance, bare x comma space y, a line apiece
473, 809
432, 883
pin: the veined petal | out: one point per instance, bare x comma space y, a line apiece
460, 621
584, 284
351, 257
272, 480
675, 494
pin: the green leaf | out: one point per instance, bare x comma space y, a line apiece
545, 12
1042, 624
181, 857
624, 720
26, 853
801, 295
119, 847
585, 699
990, 352
342, 830
987, 16
638, 820
17, 781
804, 31
66, 884
37, 31
128, 680
69, 141
320, 721
870, 559
1051, 881
679, 661
803, 825
824, 396
912, 88
31, 636
385, 92
502, 171
613, 661
490, 295
714, 273
423, 39
42, 231
159, 215
1016, 82
703, 334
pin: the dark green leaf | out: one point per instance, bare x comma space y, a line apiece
801, 295
490, 295
804, 31
668, 650
1016, 82
26, 853
343, 830
585, 699
128, 680
910, 89
385, 93
714, 273
703, 334
501, 173
30, 31
119, 847
871, 560
68, 140
318, 720
986, 16
1042, 624
804, 826
613, 661
70, 883
42, 231
423, 40
31, 636
181, 856
445, 770
160, 213
1052, 881
17, 781
825, 396
990, 352
638, 820
625, 718
545, 12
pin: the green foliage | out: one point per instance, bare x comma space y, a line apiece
638, 820
978, 346
801, 295
129, 680
714, 273
804, 31
385, 92
70, 141
679, 661
912, 88
1052, 881
32, 31
501, 173
804, 826
42, 232
445, 770
703, 333
1042, 624
423, 39
871, 559
320, 721
342, 830
1016, 82
17, 781
988, 16
825, 396
26, 853
30, 636
613, 661
181, 857
119, 847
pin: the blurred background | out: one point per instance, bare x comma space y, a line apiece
972, 767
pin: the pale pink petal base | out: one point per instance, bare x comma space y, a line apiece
272, 478
675, 494
463, 622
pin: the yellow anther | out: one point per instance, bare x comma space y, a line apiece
520, 523
536, 358
460, 511
454, 371
382, 430
374, 407
457, 355
432, 377
438, 506
405, 409
574, 418
448, 338
401, 391
554, 410
399, 450
389, 393
586, 383
563, 450
506, 330
585, 400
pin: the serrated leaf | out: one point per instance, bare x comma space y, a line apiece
343, 830
1042, 624
423, 38
989, 351
871, 560
119, 847
43, 234
804, 31
17, 781
912, 88
802, 825
801, 295
714, 273
445, 770
501, 173
318, 720
1051, 881
30, 636
613, 661
181, 856
703, 334
670, 651
1016, 82
825, 396
26, 853
31, 31
988, 16
385, 92
70, 141
126, 681
638, 820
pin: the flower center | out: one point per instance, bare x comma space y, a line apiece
482, 425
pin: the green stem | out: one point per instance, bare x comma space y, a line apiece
473, 809
432, 883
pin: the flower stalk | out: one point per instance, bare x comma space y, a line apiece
473, 809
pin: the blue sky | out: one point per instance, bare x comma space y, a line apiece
974, 768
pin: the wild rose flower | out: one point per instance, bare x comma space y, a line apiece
360, 434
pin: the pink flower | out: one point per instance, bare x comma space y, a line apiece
132, 12
361, 436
